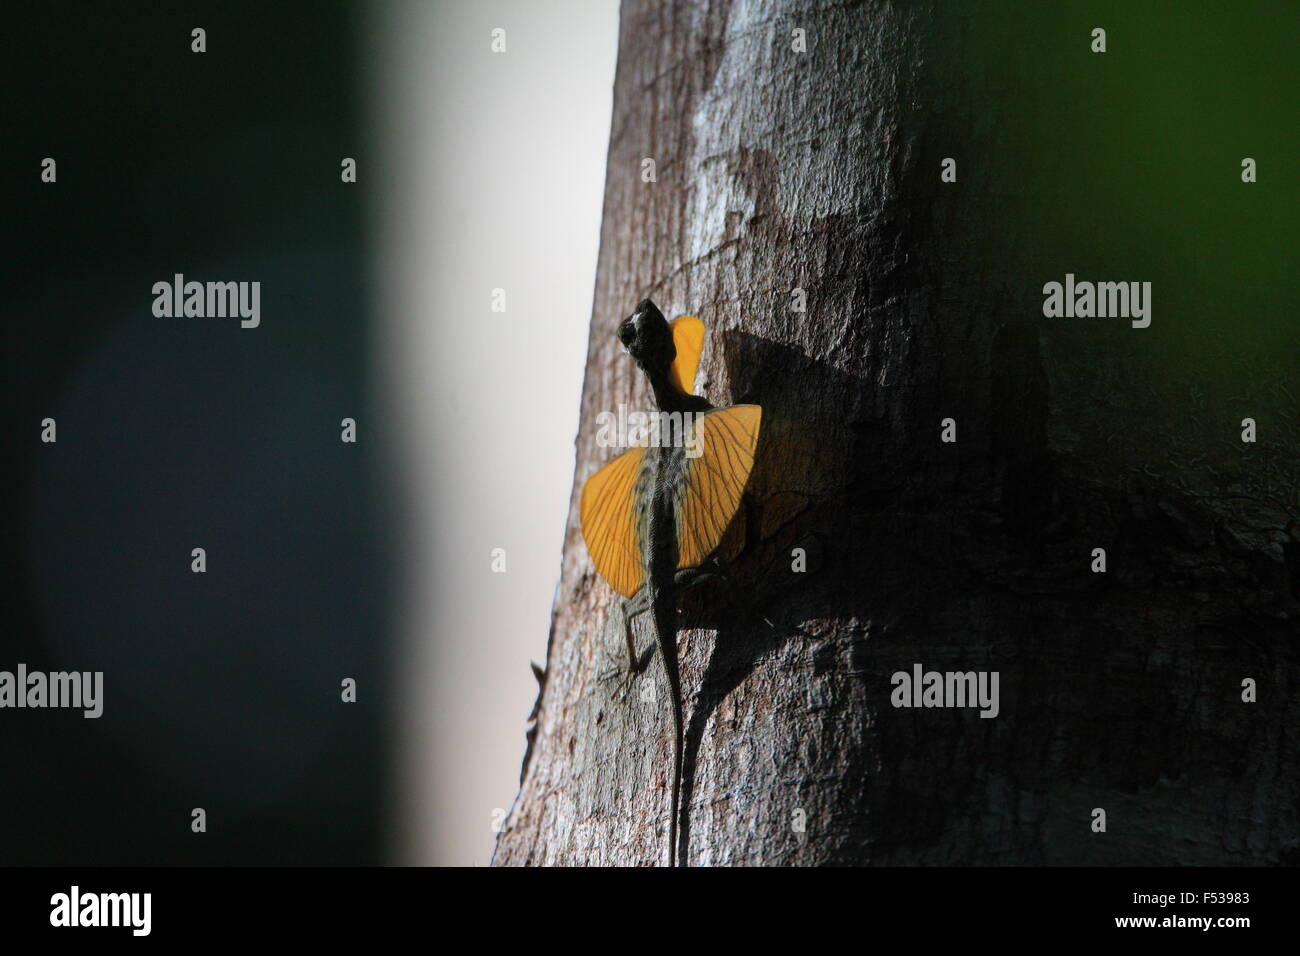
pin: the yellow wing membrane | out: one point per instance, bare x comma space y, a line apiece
609, 522
710, 494
688, 336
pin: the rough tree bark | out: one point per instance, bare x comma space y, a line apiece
819, 171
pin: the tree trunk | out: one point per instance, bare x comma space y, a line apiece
779, 171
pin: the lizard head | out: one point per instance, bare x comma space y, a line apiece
646, 336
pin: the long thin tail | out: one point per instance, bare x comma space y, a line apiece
665, 614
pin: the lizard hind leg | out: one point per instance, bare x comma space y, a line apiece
629, 609
721, 571
638, 604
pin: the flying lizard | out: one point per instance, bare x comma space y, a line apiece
653, 515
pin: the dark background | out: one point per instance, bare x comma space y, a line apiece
221, 690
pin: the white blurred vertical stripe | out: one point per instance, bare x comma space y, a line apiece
483, 171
